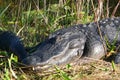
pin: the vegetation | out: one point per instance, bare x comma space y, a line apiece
34, 20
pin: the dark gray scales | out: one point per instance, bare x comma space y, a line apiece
66, 44
76, 41
59, 48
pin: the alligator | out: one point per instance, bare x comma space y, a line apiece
67, 44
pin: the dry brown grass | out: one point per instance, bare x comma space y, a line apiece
86, 69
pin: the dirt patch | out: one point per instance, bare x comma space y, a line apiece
85, 69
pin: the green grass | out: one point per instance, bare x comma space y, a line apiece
33, 21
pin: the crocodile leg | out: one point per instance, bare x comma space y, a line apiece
94, 47
117, 58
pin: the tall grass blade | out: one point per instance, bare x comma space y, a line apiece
4, 10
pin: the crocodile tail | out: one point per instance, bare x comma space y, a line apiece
11, 43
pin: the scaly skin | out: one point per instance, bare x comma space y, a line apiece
67, 44
76, 41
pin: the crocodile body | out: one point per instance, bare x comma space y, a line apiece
66, 44
81, 40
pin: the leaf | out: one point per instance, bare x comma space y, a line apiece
62, 74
